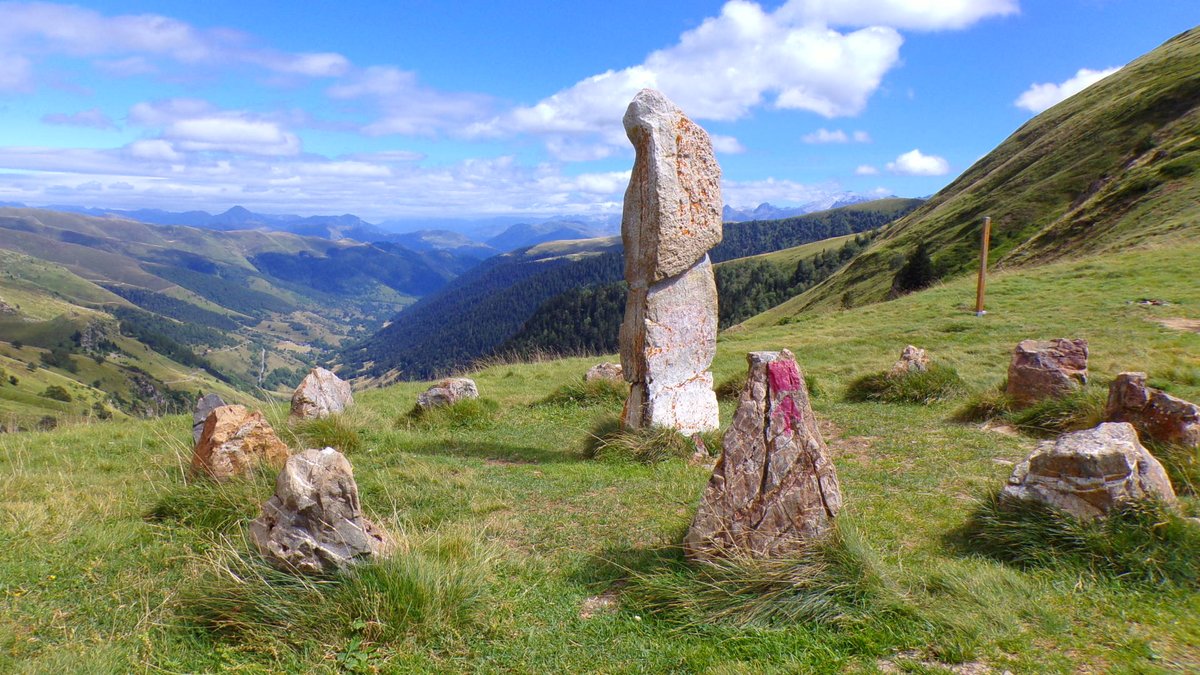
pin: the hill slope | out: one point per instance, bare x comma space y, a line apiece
1116, 165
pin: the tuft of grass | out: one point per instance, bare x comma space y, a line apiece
1080, 409
985, 405
471, 413
1181, 463
434, 582
1140, 541
938, 383
208, 505
594, 393
335, 431
608, 441
837, 581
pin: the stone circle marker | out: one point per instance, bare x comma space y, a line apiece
204, 406
321, 393
234, 442
314, 523
447, 392
604, 371
1042, 369
1156, 415
671, 218
774, 488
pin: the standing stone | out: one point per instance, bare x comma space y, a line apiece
1156, 415
234, 442
671, 218
774, 488
1042, 369
1087, 473
448, 392
204, 405
604, 371
314, 523
912, 360
320, 394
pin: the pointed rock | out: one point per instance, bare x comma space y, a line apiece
1042, 369
774, 488
314, 522
321, 393
234, 442
671, 218
1156, 415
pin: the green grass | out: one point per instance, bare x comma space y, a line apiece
595, 392
110, 561
469, 413
609, 441
937, 383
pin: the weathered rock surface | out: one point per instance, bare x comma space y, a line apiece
1087, 473
604, 371
1156, 415
448, 392
912, 360
671, 218
314, 522
321, 393
204, 405
1042, 369
774, 488
234, 441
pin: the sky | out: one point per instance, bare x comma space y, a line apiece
435, 108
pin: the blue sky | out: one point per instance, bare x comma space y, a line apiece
460, 109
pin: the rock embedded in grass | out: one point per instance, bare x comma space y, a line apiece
204, 407
314, 523
671, 218
774, 489
235, 442
321, 393
1156, 415
1087, 473
605, 371
448, 392
912, 359
1042, 369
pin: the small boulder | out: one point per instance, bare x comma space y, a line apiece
234, 441
774, 488
448, 392
605, 371
1042, 369
1156, 415
314, 523
320, 394
912, 360
1087, 473
204, 405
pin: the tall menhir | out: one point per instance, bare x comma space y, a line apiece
672, 217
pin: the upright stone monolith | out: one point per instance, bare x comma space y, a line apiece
774, 489
321, 393
672, 217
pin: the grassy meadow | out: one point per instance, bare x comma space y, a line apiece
517, 553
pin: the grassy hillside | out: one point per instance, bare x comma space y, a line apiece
521, 555
1115, 166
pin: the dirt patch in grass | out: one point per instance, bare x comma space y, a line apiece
1179, 323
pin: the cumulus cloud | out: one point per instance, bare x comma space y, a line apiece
918, 15
92, 118
823, 135
1039, 97
916, 163
407, 106
865, 170
727, 144
232, 133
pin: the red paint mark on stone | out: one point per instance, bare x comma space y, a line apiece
783, 376
788, 410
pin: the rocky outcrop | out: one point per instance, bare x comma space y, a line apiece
320, 394
234, 442
448, 392
1087, 473
1042, 369
1156, 415
912, 360
774, 488
671, 218
604, 371
314, 523
204, 406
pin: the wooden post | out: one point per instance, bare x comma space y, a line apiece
983, 261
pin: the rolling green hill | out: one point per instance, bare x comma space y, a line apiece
1113, 167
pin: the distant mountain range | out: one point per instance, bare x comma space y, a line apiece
767, 211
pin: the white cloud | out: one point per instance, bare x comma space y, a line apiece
823, 135
902, 14
155, 150
727, 144
1039, 97
407, 107
753, 192
232, 133
161, 113
92, 118
865, 170
916, 163
16, 73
